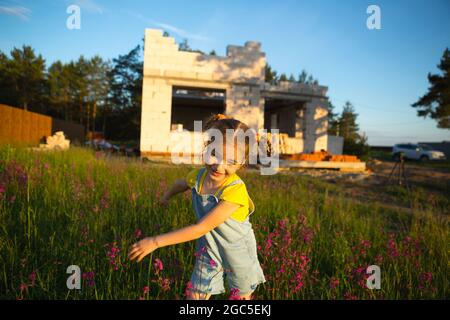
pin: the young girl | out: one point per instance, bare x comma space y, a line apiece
226, 243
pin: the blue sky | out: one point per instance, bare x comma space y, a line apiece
382, 72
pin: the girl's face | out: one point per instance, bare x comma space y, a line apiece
224, 163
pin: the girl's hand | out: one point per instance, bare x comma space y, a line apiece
164, 202
142, 248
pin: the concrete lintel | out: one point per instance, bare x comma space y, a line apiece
288, 96
198, 83
296, 88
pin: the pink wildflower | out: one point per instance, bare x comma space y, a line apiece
199, 252
188, 289
32, 278
138, 233
212, 263
158, 265
113, 254
23, 287
234, 294
334, 283
349, 296
165, 284
89, 278
426, 280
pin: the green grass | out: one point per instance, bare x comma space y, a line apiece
381, 155
435, 164
70, 208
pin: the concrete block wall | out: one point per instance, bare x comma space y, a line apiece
296, 88
155, 115
300, 123
162, 58
244, 103
295, 145
187, 143
316, 125
241, 73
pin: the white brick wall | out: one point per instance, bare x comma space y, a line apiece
241, 73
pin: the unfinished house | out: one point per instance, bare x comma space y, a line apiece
180, 87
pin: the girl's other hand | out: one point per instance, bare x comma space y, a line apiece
142, 248
164, 202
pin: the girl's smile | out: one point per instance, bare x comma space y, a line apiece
216, 173
216, 176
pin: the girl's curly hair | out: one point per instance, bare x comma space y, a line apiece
222, 122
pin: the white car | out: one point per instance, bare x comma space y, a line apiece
420, 152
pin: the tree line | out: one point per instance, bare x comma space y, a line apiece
106, 96
101, 95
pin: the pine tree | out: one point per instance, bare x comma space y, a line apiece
348, 128
436, 102
333, 121
59, 79
291, 78
23, 79
98, 88
302, 77
125, 96
271, 75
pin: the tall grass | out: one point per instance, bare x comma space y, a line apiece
79, 208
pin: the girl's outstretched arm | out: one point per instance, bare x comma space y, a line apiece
215, 217
177, 187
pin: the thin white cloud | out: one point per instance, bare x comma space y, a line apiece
171, 28
180, 32
17, 11
89, 6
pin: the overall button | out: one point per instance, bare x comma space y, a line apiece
204, 199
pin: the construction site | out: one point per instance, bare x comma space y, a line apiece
180, 87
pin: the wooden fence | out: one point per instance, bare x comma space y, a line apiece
25, 127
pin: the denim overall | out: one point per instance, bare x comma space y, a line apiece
229, 249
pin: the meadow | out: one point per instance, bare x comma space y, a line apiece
315, 238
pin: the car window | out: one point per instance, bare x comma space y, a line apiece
425, 147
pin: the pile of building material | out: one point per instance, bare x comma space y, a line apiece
284, 145
329, 175
320, 156
56, 142
322, 160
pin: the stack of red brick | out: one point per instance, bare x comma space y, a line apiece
320, 156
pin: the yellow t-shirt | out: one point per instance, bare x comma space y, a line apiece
236, 194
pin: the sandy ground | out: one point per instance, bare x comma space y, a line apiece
379, 172
372, 186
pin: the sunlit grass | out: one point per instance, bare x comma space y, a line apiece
80, 208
